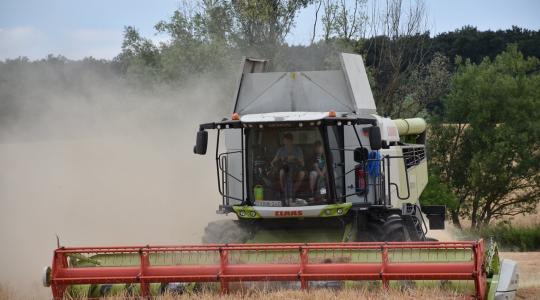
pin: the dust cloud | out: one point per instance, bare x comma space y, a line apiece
97, 160
447, 235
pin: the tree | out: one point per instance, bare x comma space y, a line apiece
469, 42
138, 53
351, 19
487, 147
438, 193
207, 36
264, 24
201, 40
423, 88
329, 19
397, 48
344, 20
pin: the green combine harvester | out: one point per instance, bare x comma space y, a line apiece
325, 193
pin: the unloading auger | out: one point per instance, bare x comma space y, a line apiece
325, 193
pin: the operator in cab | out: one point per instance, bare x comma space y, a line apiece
317, 175
290, 159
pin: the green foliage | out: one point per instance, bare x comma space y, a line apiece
208, 38
438, 193
139, 56
469, 42
511, 237
423, 87
487, 149
263, 24
197, 46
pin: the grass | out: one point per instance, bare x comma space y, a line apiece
315, 294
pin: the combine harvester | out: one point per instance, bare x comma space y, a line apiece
326, 194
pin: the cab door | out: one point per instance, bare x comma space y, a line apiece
336, 161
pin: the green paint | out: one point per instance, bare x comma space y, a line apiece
492, 287
335, 210
246, 212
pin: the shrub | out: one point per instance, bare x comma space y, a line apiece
512, 238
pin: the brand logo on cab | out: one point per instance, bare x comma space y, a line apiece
289, 213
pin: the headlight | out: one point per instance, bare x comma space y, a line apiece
328, 212
339, 211
252, 214
242, 213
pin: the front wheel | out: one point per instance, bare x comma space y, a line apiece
394, 229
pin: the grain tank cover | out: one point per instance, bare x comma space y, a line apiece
346, 90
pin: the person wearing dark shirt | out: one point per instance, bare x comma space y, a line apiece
291, 159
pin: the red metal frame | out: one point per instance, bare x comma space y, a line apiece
63, 275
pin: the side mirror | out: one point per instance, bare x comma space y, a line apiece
360, 154
375, 141
202, 142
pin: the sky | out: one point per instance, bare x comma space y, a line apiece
77, 29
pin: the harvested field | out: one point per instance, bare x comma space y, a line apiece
326, 294
529, 277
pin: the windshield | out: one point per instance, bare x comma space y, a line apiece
286, 166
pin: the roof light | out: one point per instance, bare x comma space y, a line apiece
332, 114
235, 117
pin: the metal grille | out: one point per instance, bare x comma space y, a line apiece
413, 155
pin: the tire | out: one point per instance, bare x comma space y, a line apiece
373, 232
394, 230
225, 232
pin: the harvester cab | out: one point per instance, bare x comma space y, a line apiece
308, 149
325, 193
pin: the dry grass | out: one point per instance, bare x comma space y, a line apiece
527, 220
528, 293
320, 294
6, 293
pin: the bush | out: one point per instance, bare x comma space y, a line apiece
512, 238
438, 193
